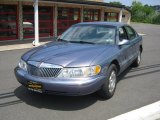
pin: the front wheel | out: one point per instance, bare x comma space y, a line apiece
108, 88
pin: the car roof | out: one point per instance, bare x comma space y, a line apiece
116, 24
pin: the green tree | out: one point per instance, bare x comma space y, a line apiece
137, 12
156, 19
144, 13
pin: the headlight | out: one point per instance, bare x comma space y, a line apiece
80, 72
23, 65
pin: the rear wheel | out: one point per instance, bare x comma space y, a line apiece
109, 86
138, 60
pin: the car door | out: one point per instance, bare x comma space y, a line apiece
125, 50
133, 38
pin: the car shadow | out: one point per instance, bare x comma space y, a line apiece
139, 71
124, 73
54, 102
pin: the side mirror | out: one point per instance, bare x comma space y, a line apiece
123, 42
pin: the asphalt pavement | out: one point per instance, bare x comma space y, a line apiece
137, 87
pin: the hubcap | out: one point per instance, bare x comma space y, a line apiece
139, 58
112, 81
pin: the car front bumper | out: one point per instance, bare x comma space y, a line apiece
62, 86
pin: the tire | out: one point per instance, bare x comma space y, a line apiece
137, 60
108, 88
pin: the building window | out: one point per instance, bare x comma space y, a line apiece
111, 16
45, 21
8, 22
66, 18
91, 15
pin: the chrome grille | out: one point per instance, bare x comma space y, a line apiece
43, 72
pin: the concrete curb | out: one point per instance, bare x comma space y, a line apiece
149, 112
18, 46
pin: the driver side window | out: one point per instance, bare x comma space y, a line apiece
122, 34
131, 33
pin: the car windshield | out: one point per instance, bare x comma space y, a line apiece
93, 34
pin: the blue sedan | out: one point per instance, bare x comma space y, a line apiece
86, 58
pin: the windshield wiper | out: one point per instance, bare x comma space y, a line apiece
82, 42
62, 40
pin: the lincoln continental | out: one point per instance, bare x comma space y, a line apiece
87, 58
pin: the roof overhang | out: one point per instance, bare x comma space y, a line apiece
84, 2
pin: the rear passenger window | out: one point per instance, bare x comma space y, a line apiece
131, 33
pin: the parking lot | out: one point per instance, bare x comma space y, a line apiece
137, 87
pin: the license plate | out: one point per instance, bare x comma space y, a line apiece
35, 86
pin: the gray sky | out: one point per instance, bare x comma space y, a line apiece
129, 2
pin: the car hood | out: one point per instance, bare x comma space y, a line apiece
66, 54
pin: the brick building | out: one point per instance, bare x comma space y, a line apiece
17, 21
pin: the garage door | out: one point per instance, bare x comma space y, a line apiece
8, 22
91, 15
66, 18
45, 21
111, 16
